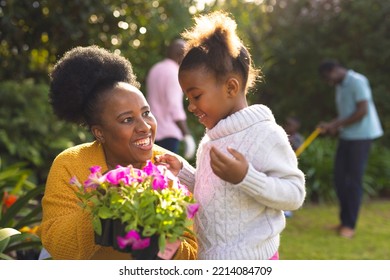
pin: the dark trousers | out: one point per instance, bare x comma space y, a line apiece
171, 144
350, 163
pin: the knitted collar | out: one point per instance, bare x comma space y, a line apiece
240, 121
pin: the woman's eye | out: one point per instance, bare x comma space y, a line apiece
197, 97
146, 114
128, 120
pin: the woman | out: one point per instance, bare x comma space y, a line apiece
93, 87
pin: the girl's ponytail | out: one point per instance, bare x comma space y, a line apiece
214, 44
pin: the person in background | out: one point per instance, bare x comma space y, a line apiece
165, 97
357, 125
292, 126
93, 87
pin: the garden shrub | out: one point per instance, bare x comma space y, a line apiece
29, 131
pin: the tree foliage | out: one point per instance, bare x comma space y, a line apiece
288, 40
35, 33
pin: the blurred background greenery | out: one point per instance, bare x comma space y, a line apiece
287, 39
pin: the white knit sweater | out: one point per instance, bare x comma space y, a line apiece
244, 221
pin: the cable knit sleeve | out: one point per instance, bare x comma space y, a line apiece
187, 176
277, 181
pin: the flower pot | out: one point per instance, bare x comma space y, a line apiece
112, 228
148, 253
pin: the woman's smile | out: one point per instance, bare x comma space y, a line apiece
144, 143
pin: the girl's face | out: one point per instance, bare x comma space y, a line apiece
209, 99
128, 128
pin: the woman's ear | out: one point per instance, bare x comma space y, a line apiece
233, 87
98, 133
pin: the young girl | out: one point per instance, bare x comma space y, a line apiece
246, 169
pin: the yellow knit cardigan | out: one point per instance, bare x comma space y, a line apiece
66, 229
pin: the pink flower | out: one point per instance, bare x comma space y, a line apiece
141, 243
93, 181
120, 174
139, 175
74, 181
159, 182
150, 169
133, 239
184, 189
94, 178
192, 209
95, 169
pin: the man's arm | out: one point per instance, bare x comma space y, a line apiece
190, 146
183, 127
360, 112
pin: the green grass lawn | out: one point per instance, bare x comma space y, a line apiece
307, 236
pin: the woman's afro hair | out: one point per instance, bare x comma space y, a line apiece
79, 78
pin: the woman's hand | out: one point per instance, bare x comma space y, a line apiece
171, 162
232, 170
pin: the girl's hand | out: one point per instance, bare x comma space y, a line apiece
232, 170
171, 162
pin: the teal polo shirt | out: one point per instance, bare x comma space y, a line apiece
354, 88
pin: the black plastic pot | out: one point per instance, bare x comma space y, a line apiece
112, 228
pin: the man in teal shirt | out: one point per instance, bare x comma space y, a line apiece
357, 124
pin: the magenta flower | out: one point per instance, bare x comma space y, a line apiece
150, 169
141, 243
139, 175
159, 182
95, 169
120, 174
133, 239
94, 180
192, 209
74, 181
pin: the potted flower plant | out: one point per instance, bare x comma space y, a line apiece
137, 210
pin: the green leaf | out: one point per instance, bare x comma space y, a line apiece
147, 201
22, 238
5, 257
24, 245
18, 187
11, 172
162, 242
30, 218
97, 225
7, 232
148, 231
4, 244
19, 205
105, 213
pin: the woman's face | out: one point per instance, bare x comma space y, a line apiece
128, 128
208, 98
